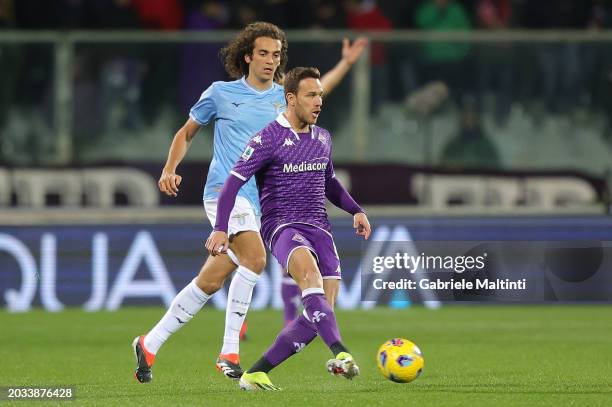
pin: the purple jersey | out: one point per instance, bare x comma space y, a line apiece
291, 171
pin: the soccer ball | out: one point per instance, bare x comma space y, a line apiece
400, 360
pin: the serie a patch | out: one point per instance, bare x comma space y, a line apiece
248, 152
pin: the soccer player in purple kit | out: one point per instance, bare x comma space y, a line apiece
291, 161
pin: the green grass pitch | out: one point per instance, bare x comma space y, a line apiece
474, 356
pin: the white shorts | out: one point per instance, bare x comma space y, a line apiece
242, 217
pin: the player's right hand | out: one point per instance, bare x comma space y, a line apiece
362, 225
217, 243
169, 182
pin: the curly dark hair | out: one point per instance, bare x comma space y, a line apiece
233, 54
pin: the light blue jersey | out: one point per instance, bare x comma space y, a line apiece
239, 111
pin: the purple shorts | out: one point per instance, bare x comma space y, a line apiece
318, 241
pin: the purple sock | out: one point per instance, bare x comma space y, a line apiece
322, 315
291, 297
292, 339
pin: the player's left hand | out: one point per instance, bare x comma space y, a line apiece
217, 243
352, 52
361, 223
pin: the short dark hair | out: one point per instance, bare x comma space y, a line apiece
244, 43
296, 75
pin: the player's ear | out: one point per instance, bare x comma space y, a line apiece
248, 58
290, 99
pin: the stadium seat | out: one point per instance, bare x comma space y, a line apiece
5, 188
100, 186
33, 186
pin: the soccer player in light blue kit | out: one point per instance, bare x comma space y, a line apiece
257, 58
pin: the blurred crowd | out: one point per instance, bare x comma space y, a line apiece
293, 14
124, 86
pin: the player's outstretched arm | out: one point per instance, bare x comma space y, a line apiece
350, 54
218, 241
169, 181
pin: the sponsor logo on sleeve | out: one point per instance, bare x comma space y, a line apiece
248, 152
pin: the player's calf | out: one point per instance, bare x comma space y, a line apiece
184, 306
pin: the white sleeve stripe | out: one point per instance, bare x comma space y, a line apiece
195, 119
234, 173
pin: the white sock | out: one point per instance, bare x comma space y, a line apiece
184, 306
238, 301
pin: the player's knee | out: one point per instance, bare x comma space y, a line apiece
312, 278
209, 287
255, 263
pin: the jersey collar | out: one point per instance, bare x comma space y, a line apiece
282, 120
259, 92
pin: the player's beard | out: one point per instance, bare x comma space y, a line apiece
305, 116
